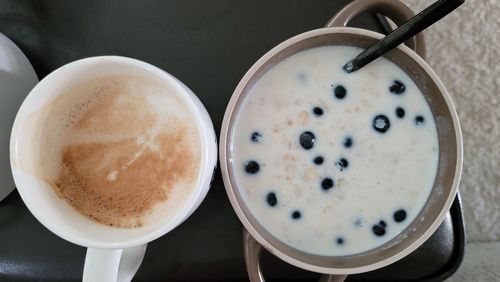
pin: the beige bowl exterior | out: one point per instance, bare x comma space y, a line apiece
449, 167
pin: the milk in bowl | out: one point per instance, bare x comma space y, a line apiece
334, 163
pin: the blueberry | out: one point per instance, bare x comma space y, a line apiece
397, 87
318, 111
342, 164
271, 198
256, 137
358, 222
378, 230
307, 139
326, 183
399, 215
348, 142
400, 112
340, 240
340, 92
296, 214
381, 123
419, 120
252, 167
382, 224
302, 77
318, 160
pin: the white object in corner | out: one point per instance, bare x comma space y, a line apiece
17, 78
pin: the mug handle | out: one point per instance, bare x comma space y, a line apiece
119, 265
252, 250
393, 9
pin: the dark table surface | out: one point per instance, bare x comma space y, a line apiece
209, 45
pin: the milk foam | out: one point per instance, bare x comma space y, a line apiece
123, 150
386, 172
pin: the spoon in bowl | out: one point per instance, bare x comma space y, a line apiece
419, 22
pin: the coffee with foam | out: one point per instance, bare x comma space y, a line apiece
123, 150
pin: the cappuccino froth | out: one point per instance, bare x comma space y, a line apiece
123, 150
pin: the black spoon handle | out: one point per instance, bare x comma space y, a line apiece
421, 21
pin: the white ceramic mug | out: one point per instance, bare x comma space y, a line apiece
113, 254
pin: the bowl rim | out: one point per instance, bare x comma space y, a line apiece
224, 148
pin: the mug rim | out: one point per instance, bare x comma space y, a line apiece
230, 114
208, 152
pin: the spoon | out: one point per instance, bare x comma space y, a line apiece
421, 21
